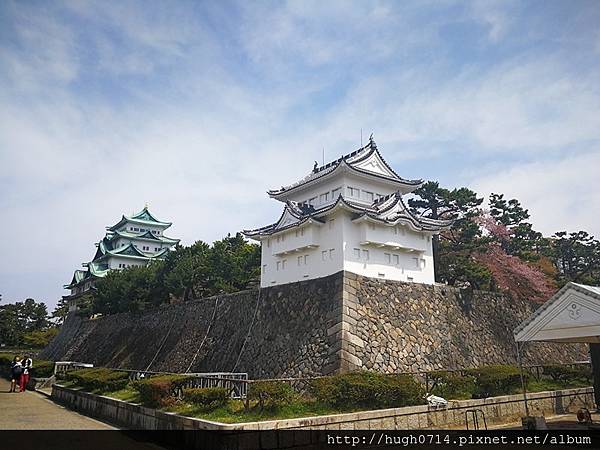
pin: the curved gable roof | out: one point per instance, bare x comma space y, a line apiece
365, 161
389, 210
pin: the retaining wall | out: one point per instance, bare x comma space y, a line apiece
334, 324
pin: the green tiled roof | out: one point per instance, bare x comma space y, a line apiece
143, 217
147, 235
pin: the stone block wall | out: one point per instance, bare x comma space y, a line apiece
395, 326
280, 332
333, 324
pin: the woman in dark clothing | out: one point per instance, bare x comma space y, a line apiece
16, 370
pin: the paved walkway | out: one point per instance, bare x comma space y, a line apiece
34, 411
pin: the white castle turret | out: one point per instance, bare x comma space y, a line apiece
348, 215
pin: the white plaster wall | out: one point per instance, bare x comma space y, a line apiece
114, 261
326, 237
129, 228
343, 181
141, 244
377, 266
343, 236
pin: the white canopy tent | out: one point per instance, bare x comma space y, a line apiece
571, 315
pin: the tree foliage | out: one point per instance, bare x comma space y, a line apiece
453, 249
40, 338
200, 270
576, 256
497, 248
20, 318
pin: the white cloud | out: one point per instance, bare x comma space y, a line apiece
103, 109
494, 15
561, 194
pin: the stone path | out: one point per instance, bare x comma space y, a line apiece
34, 411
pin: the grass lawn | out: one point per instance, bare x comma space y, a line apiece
234, 412
551, 385
127, 395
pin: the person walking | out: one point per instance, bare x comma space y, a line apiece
16, 369
27, 364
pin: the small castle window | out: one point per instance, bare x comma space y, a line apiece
335, 193
365, 255
387, 258
278, 265
353, 192
357, 253
331, 253
324, 255
305, 259
396, 259
324, 197
300, 259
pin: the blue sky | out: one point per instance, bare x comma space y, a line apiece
199, 107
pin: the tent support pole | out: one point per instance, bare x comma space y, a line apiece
522, 378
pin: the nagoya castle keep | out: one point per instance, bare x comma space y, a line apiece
132, 242
348, 215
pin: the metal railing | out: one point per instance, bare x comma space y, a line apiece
236, 383
61, 367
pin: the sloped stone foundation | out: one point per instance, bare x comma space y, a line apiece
337, 323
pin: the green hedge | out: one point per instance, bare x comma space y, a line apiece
159, 390
451, 385
98, 379
43, 369
207, 398
565, 374
271, 394
496, 380
367, 390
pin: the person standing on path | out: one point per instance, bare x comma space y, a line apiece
27, 366
15, 374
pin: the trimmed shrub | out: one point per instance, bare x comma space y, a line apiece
451, 385
207, 398
160, 390
496, 380
98, 379
367, 389
566, 374
271, 394
43, 369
